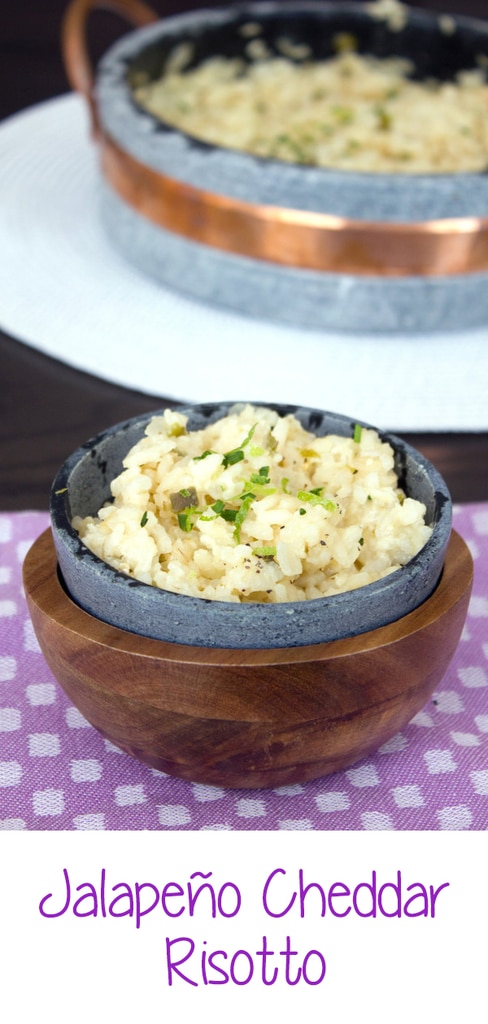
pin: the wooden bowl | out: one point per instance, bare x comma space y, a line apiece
247, 718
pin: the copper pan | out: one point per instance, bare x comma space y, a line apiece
291, 237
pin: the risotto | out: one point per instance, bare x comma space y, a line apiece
352, 111
256, 508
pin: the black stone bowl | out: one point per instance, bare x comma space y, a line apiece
83, 485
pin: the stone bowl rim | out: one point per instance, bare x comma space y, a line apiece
69, 546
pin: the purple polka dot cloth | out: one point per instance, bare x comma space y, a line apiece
57, 772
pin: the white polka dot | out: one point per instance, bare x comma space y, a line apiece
8, 668
206, 793
22, 548
48, 803
89, 822
474, 549
465, 739
481, 722
111, 748
86, 770
480, 522
439, 761
5, 574
10, 773
216, 828
298, 825
473, 677
30, 639
8, 609
289, 790
364, 776
393, 745
75, 720
478, 607
448, 702
5, 530
247, 808
10, 719
44, 744
173, 814
125, 796
376, 821
10, 824
330, 802
408, 796
41, 694
423, 720
455, 817
480, 782
465, 634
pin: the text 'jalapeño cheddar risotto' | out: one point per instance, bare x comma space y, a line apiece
255, 508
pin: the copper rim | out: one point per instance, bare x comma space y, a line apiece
297, 238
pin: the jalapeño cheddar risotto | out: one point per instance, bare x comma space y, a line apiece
351, 111
255, 508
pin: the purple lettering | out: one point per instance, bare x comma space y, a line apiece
49, 896
280, 913
174, 965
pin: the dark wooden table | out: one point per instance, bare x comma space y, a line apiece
47, 408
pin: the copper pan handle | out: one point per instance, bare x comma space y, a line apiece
77, 61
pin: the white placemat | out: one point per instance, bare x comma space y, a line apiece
66, 292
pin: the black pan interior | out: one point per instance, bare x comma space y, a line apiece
433, 52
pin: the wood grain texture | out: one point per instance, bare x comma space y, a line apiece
252, 718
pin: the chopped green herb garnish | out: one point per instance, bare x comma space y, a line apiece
198, 458
237, 454
267, 551
314, 497
261, 477
284, 485
247, 500
384, 118
361, 541
218, 507
184, 520
144, 518
229, 514
357, 432
231, 458
344, 115
302, 511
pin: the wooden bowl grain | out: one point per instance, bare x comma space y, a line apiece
247, 718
